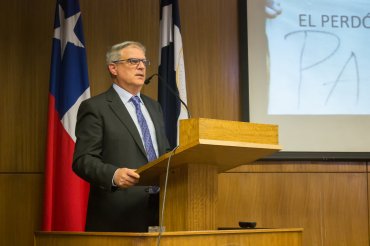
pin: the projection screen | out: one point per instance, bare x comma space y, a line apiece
309, 73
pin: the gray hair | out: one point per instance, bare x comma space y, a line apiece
113, 54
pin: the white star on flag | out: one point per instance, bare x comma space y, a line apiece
65, 33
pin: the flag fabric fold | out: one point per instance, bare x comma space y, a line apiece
171, 69
65, 197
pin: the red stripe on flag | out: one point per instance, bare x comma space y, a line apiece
66, 194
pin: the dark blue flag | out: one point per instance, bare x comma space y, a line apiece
171, 70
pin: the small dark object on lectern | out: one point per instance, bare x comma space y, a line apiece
249, 225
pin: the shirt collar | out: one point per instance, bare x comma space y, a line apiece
123, 94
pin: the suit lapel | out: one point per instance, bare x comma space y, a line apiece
123, 115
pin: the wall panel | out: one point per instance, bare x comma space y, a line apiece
20, 208
332, 207
303, 166
211, 58
25, 46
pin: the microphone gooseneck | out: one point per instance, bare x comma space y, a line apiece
147, 81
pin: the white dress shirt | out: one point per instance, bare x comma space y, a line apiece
125, 97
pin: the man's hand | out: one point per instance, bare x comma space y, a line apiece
124, 177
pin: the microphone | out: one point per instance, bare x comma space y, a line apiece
147, 81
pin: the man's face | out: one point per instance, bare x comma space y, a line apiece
129, 76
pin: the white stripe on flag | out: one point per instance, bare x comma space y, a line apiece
166, 26
180, 71
70, 117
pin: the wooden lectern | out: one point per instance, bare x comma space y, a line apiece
207, 147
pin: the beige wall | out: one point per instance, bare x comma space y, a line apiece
209, 30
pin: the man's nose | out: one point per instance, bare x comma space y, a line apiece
141, 65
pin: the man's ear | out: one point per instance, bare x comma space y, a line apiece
112, 69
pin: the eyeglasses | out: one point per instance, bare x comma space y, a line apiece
134, 61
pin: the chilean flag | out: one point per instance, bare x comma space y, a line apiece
65, 198
171, 70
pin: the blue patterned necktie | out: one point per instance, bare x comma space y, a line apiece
148, 144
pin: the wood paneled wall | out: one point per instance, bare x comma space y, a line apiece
210, 44
324, 202
327, 199
20, 207
211, 62
25, 44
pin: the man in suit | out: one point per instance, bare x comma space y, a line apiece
117, 133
